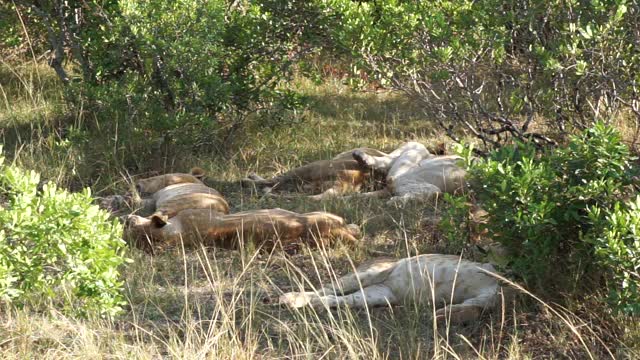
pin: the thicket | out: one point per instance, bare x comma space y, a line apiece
57, 247
531, 72
535, 71
169, 71
568, 217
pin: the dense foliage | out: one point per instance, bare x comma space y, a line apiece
200, 67
530, 70
160, 73
617, 247
57, 247
565, 209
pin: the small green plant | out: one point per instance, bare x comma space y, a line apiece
57, 247
455, 224
617, 246
514, 185
543, 207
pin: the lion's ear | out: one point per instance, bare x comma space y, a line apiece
197, 172
159, 220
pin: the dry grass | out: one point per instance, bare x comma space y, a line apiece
208, 303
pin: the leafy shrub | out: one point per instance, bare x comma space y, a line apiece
182, 71
561, 208
617, 247
496, 67
56, 246
455, 224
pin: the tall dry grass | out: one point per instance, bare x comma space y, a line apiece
215, 304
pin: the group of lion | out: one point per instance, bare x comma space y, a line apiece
183, 210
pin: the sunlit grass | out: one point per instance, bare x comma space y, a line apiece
219, 304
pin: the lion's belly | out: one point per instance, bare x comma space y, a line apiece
426, 278
429, 176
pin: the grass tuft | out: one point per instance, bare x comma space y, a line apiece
212, 303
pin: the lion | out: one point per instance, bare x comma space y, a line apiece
167, 195
466, 287
414, 173
325, 178
409, 172
264, 228
155, 183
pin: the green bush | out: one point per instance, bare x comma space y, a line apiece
617, 247
496, 67
563, 209
57, 247
191, 72
456, 223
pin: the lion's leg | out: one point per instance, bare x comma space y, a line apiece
405, 198
347, 182
411, 150
459, 313
330, 193
345, 234
259, 182
468, 310
373, 162
409, 146
365, 286
378, 194
375, 295
371, 274
298, 299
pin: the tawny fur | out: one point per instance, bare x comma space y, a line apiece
414, 173
464, 286
172, 193
260, 227
340, 175
166, 195
178, 197
155, 183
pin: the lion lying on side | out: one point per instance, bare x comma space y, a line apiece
172, 193
184, 209
431, 278
260, 227
414, 173
411, 172
166, 195
340, 175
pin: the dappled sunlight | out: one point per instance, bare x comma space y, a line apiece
245, 93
